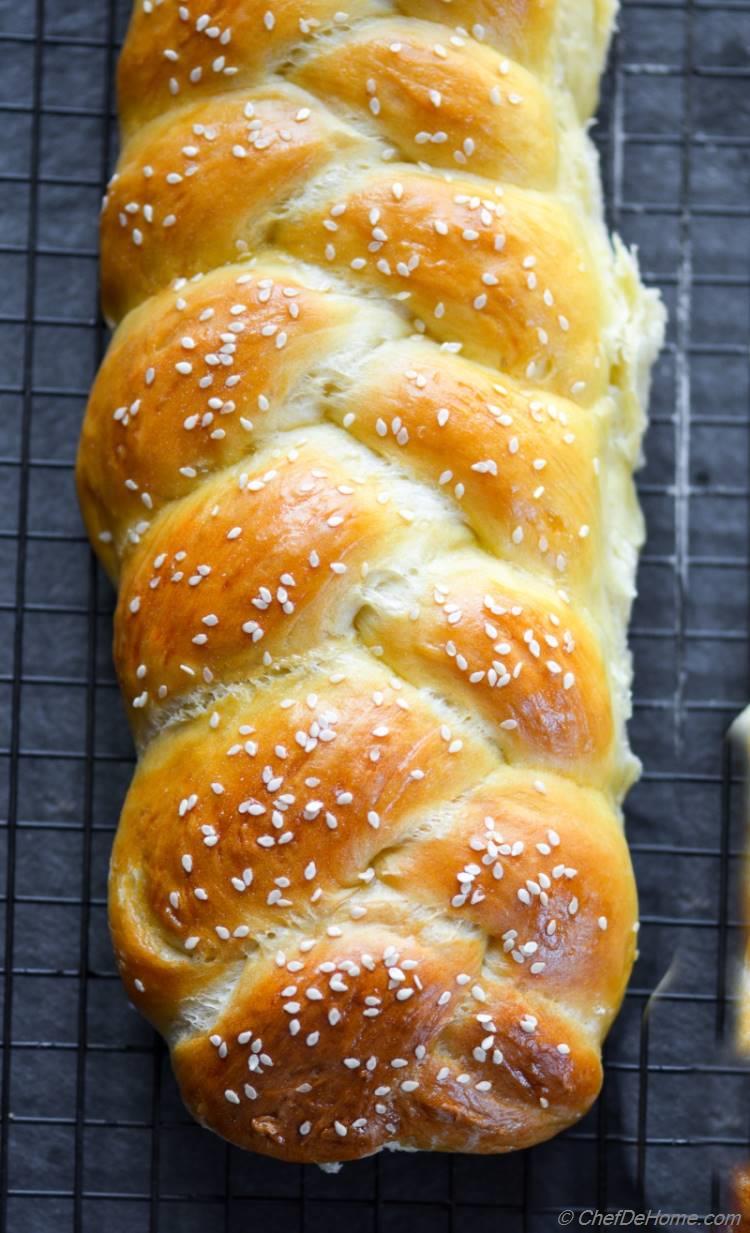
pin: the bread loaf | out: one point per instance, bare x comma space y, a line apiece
359, 461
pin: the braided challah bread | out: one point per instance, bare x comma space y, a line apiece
359, 460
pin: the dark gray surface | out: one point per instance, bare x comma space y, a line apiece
94, 1135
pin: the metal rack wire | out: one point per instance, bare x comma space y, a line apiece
93, 1135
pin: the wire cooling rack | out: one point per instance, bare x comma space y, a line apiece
93, 1133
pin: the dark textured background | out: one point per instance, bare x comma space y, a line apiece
93, 1134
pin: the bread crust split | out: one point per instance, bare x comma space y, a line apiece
359, 461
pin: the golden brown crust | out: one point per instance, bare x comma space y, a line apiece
519, 28
244, 150
171, 57
489, 116
230, 579
309, 814
516, 861
413, 1074
356, 758
521, 468
356, 460
504, 271
508, 651
215, 366
355, 801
